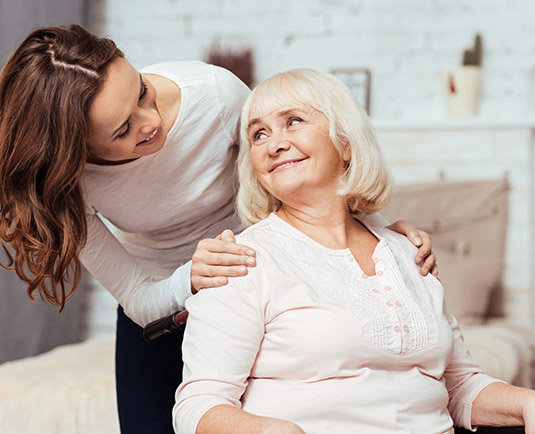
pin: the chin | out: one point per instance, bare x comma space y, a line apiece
287, 191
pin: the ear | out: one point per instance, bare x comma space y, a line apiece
346, 151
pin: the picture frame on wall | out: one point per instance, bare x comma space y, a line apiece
359, 81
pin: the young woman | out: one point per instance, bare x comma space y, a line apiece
84, 135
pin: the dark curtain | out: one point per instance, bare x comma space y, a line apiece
28, 328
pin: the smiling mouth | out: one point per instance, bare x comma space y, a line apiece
150, 137
284, 164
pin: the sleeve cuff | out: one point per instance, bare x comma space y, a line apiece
186, 416
181, 280
461, 411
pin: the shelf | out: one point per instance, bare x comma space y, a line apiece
472, 123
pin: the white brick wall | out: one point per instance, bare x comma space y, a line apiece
405, 45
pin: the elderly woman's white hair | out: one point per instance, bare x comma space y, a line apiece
366, 184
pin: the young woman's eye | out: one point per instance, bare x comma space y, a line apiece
144, 91
125, 134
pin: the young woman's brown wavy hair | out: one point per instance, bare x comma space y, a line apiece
46, 89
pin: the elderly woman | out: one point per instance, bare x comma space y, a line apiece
335, 330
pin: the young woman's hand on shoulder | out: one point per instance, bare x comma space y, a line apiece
425, 257
216, 259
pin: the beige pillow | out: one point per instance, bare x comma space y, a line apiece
467, 222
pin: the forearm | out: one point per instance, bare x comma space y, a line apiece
143, 298
501, 404
226, 419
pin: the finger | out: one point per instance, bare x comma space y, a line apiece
223, 259
201, 283
228, 235
404, 228
219, 271
434, 271
424, 250
428, 264
220, 246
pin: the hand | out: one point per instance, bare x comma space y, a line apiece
425, 257
217, 259
529, 415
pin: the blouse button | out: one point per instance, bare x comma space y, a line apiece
389, 304
406, 328
379, 273
387, 288
397, 329
375, 260
375, 290
398, 304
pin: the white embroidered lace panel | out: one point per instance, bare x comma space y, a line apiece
391, 313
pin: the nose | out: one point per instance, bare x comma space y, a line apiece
278, 143
149, 120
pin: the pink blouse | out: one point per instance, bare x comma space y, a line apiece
306, 336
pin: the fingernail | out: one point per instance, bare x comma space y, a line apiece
418, 259
250, 252
250, 261
242, 270
418, 240
222, 280
426, 270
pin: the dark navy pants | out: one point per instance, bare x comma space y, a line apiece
147, 376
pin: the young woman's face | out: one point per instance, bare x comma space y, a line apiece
292, 153
124, 119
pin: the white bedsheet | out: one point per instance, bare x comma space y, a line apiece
69, 390
503, 351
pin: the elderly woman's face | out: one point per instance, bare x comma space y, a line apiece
292, 153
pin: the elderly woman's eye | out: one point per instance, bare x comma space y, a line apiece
294, 121
259, 135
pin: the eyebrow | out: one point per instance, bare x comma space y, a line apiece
141, 90
280, 114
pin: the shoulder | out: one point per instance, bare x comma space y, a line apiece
231, 92
182, 72
252, 290
258, 236
190, 73
228, 82
400, 243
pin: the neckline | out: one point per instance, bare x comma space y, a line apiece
274, 218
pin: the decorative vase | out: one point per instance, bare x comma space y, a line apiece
462, 89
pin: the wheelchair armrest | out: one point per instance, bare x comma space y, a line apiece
493, 430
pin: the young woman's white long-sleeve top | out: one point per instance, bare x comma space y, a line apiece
307, 337
164, 203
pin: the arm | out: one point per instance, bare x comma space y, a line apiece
464, 379
143, 298
501, 404
425, 257
223, 335
225, 419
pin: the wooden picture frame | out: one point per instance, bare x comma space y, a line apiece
359, 81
